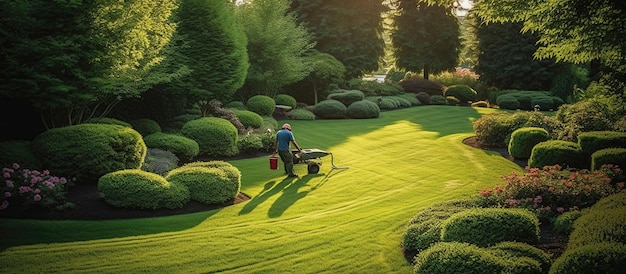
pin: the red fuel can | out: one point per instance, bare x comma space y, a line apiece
273, 162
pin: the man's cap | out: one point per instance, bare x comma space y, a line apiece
287, 127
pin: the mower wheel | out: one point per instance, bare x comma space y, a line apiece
313, 168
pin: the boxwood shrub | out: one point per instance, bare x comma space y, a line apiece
134, 188
514, 250
593, 141
524, 139
85, 152
261, 104
145, 126
604, 222
437, 100
557, 152
237, 105
464, 93
330, 109
605, 258
231, 171
302, 114
609, 156
508, 102
216, 137
347, 97
363, 109
250, 143
248, 118
207, 185
285, 100
489, 226
183, 147
108, 121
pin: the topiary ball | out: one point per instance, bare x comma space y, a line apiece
330, 109
145, 126
464, 93
216, 137
183, 147
261, 104
524, 139
248, 118
285, 100
207, 185
363, 109
556, 152
347, 97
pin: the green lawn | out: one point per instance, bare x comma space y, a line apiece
337, 221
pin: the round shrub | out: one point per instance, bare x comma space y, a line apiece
286, 100
261, 104
489, 226
508, 102
330, 109
415, 85
216, 137
593, 141
492, 129
231, 171
250, 143
18, 151
134, 188
423, 97
237, 105
249, 118
605, 258
556, 152
437, 100
85, 152
524, 139
387, 102
604, 222
515, 250
347, 97
464, 93
583, 116
206, 185
363, 109
453, 101
457, 258
564, 223
159, 161
302, 114
402, 102
613, 156
183, 147
145, 126
411, 97
108, 121
544, 102
179, 121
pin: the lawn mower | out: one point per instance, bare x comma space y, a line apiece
312, 158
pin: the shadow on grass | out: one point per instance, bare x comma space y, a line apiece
270, 189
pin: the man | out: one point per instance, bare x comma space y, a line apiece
282, 145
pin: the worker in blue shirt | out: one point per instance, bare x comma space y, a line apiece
282, 146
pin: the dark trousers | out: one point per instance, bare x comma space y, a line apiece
287, 157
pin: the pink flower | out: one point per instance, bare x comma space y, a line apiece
6, 175
16, 166
4, 205
25, 189
560, 209
37, 197
9, 184
538, 199
7, 194
37, 191
62, 180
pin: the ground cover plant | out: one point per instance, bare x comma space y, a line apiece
342, 221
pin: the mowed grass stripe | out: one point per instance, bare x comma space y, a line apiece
344, 221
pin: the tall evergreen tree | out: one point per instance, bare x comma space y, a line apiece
349, 30
425, 37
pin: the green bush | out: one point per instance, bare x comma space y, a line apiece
584, 116
437, 100
603, 222
601, 258
85, 152
363, 109
159, 161
492, 129
423, 97
411, 97
551, 190
557, 152
18, 151
261, 104
386, 102
373, 88
108, 121
347, 97
564, 223
593, 141
457, 258
216, 137
237, 105
269, 123
424, 229
134, 188
488, 226
453, 101
248, 118
207, 185
508, 102
302, 114
250, 143
145, 126
183, 147
232, 172
330, 109
285, 100
416, 85
524, 139
515, 250
620, 125
268, 140
608, 156
464, 93
179, 121
402, 102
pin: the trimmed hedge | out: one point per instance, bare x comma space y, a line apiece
488, 226
612, 156
250, 143
286, 100
261, 104
237, 105
515, 250
330, 109
557, 152
437, 100
347, 97
524, 139
85, 152
108, 121
411, 97
415, 85
601, 258
593, 141
363, 109
605, 221
183, 147
145, 126
248, 118
302, 114
207, 185
231, 171
216, 137
134, 188
464, 93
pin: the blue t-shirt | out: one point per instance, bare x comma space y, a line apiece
284, 137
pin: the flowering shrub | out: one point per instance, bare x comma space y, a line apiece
552, 190
31, 187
